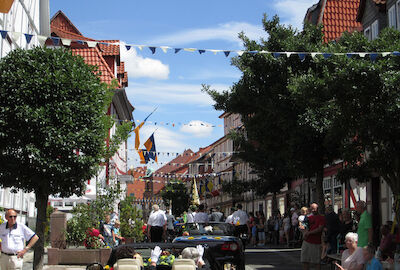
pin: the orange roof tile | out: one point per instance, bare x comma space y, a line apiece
108, 49
340, 16
121, 68
137, 187
69, 35
92, 56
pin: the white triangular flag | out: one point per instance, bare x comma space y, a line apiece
313, 54
190, 49
91, 44
164, 48
240, 53
384, 54
288, 54
362, 54
66, 42
15, 36
42, 40
214, 51
140, 47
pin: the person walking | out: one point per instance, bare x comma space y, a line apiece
201, 216
170, 225
13, 236
216, 215
261, 228
241, 221
311, 247
332, 229
286, 227
156, 225
364, 229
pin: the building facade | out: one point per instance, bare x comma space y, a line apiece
25, 17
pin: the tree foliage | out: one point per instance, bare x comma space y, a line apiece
53, 125
131, 218
176, 192
300, 114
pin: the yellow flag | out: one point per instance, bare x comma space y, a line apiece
195, 193
137, 139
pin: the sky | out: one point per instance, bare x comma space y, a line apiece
172, 83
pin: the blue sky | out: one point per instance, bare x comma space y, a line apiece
169, 81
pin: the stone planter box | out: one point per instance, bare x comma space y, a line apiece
77, 256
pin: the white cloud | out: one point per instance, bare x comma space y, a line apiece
292, 12
164, 93
227, 31
198, 128
138, 66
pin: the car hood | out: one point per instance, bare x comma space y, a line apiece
208, 238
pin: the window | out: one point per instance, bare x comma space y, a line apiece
398, 14
367, 33
392, 16
374, 30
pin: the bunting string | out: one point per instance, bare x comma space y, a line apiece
15, 36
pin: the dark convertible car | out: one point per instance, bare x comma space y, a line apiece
225, 248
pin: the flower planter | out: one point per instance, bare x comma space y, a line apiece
77, 256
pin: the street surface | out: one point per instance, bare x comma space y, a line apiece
265, 258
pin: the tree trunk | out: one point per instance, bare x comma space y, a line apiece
320, 190
41, 205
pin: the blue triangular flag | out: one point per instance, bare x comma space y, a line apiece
128, 47
227, 53
55, 40
276, 55
28, 38
302, 56
3, 33
105, 43
327, 55
177, 50
80, 42
202, 51
253, 52
349, 55
373, 56
396, 53
153, 50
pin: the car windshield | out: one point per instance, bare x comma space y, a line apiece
207, 229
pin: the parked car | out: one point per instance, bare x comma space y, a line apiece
174, 249
225, 248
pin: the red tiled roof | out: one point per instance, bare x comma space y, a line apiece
61, 21
121, 68
125, 79
69, 35
340, 16
92, 56
109, 49
137, 187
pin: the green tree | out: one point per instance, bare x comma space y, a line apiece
176, 192
51, 105
366, 97
131, 218
276, 141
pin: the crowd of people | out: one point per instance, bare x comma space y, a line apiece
349, 233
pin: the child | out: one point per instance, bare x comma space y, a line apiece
116, 233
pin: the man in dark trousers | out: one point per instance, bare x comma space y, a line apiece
332, 228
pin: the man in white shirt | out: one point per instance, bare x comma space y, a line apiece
229, 219
157, 224
13, 236
201, 216
241, 221
191, 214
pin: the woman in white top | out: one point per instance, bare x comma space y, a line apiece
352, 257
286, 227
